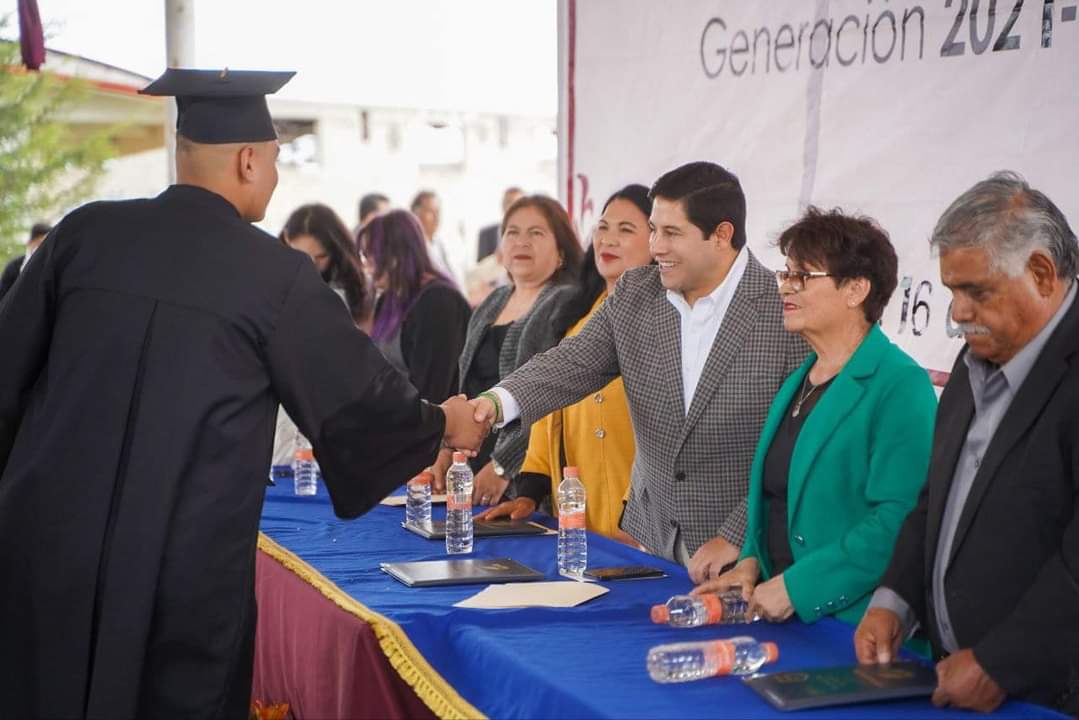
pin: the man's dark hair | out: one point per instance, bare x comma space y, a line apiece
370, 202
421, 197
847, 247
710, 195
40, 229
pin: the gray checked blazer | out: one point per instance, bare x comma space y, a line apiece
528, 335
691, 473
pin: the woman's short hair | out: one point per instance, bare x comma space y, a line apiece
344, 269
569, 247
848, 247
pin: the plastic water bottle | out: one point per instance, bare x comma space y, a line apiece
418, 499
682, 662
708, 609
459, 506
304, 468
572, 537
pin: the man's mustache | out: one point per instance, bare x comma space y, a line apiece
972, 329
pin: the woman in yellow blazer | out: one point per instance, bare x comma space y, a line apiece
845, 447
594, 434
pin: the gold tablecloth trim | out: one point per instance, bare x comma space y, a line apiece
429, 686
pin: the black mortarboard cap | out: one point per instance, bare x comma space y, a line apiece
221, 106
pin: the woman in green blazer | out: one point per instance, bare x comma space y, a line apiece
845, 447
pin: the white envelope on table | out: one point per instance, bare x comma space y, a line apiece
557, 594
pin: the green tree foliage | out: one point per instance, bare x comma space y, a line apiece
46, 166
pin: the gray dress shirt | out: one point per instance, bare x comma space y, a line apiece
993, 388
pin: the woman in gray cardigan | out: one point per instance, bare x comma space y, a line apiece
541, 253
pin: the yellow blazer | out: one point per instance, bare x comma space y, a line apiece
599, 441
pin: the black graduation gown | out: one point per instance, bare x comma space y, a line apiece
144, 353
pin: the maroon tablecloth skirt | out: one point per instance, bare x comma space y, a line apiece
321, 660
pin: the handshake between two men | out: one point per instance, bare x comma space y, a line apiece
468, 423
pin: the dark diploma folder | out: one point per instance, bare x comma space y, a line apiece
848, 685
463, 571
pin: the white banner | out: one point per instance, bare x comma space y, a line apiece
887, 108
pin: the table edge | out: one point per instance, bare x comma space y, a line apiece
437, 694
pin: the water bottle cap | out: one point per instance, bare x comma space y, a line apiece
772, 651
661, 615
304, 454
570, 471
424, 478
459, 457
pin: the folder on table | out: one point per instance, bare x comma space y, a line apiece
847, 685
436, 530
460, 571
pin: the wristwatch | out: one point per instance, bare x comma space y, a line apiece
499, 470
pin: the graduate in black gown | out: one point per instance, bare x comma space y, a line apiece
145, 352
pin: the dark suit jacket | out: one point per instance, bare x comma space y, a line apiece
1013, 580
10, 275
488, 241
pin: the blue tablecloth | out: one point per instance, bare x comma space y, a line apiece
586, 661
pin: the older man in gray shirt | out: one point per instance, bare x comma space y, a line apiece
988, 563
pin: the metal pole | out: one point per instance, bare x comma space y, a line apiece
179, 53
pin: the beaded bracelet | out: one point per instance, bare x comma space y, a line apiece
493, 397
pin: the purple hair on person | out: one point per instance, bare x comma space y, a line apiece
395, 245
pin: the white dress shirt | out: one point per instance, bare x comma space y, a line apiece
701, 323
436, 250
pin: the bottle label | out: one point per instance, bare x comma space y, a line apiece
453, 503
714, 605
304, 454
723, 652
571, 521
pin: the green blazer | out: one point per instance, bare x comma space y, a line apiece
856, 471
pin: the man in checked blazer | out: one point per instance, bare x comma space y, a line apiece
698, 339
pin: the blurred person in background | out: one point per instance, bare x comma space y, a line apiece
13, 268
490, 236
371, 204
317, 231
427, 207
488, 273
542, 255
420, 319
595, 434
